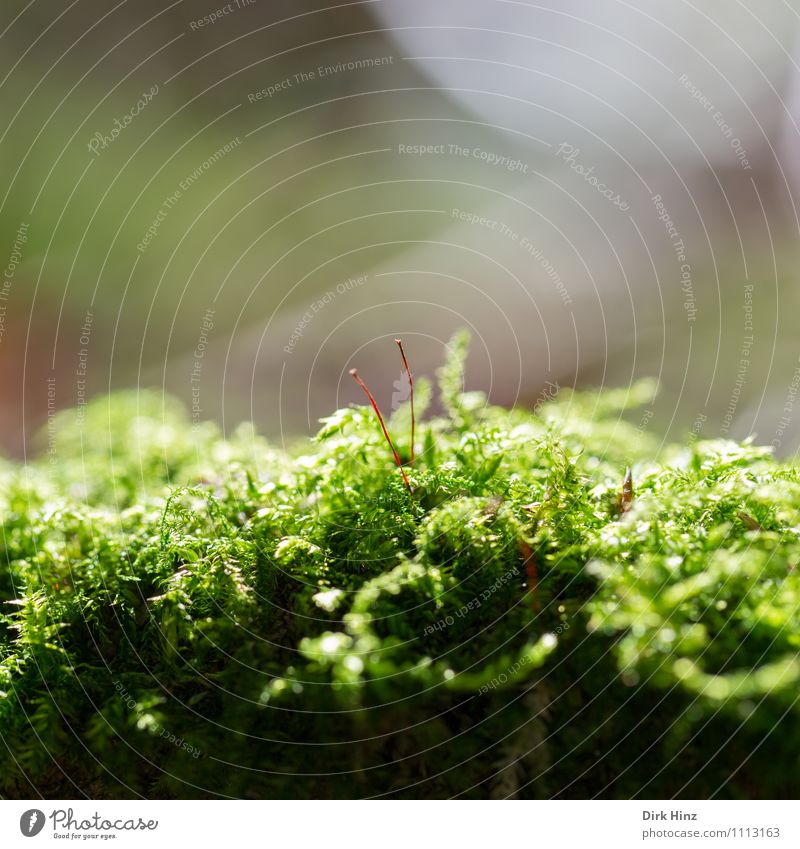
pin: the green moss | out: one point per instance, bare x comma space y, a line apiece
187, 615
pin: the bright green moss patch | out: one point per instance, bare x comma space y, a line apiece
184, 615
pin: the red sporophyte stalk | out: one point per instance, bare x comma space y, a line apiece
532, 572
410, 396
354, 374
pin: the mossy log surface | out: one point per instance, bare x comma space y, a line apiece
184, 615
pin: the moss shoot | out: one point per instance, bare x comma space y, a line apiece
185, 615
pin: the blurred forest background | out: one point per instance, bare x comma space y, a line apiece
239, 202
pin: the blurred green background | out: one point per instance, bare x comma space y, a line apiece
314, 189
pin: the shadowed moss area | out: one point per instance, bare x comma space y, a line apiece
187, 615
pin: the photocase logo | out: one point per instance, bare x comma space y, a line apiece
402, 390
31, 822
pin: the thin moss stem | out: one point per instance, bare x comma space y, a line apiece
355, 375
410, 398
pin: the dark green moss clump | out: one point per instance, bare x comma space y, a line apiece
184, 615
